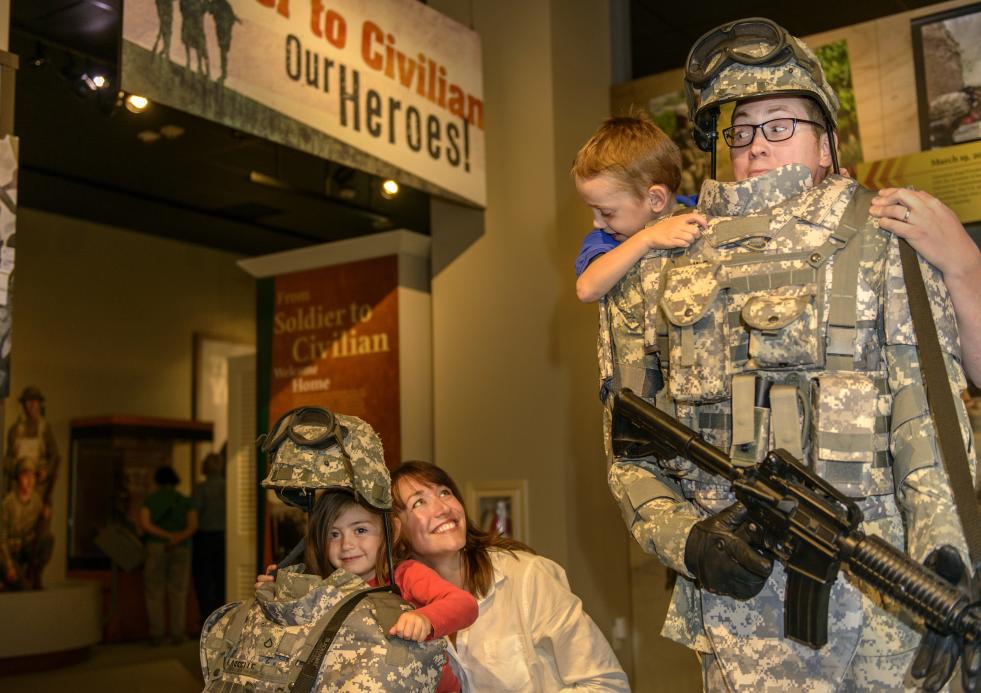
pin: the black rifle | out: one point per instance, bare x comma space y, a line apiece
805, 522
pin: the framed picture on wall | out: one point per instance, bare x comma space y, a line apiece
947, 59
500, 506
210, 389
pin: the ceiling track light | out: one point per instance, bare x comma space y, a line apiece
136, 103
389, 189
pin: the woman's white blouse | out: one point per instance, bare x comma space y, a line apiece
533, 635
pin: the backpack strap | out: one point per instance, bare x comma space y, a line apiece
218, 646
306, 677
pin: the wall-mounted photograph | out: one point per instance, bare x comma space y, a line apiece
500, 507
947, 57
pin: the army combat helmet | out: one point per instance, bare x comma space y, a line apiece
749, 58
312, 449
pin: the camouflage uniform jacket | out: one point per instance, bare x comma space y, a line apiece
18, 522
35, 440
757, 297
262, 644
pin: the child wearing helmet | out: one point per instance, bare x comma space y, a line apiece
333, 466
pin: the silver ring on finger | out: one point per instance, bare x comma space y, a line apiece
906, 216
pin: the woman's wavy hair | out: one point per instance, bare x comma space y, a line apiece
327, 509
478, 571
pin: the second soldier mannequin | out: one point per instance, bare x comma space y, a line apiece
785, 326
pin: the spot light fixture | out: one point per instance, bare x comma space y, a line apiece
136, 103
94, 82
389, 189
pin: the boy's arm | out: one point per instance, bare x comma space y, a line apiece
605, 271
447, 607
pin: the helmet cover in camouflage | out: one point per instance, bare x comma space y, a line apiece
752, 58
307, 455
31, 392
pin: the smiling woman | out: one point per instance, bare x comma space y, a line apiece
532, 633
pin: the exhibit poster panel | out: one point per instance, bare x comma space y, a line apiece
953, 174
395, 80
333, 342
8, 228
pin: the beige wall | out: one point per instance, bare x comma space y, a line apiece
104, 322
514, 352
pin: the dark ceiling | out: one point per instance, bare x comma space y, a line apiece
82, 155
662, 33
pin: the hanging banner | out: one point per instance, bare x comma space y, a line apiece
393, 79
334, 344
8, 229
952, 174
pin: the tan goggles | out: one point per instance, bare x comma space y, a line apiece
286, 427
753, 41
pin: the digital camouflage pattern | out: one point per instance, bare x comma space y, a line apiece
261, 645
855, 406
298, 466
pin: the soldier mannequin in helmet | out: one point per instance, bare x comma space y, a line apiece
31, 437
25, 543
786, 325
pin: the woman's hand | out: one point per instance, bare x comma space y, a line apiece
412, 626
930, 226
266, 577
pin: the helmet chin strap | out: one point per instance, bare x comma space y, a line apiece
829, 130
713, 138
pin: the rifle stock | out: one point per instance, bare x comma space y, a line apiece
807, 524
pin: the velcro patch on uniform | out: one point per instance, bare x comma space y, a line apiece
282, 472
646, 489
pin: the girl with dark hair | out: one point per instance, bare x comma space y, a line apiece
532, 634
346, 532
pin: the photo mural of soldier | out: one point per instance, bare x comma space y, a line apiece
192, 33
165, 15
31, 437
225, 19
25, 537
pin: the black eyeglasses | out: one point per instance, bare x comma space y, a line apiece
776, 130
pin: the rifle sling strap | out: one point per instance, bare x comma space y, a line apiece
941, 402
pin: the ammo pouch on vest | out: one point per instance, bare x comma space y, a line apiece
783, 329
332, 638
698, 333
848, 436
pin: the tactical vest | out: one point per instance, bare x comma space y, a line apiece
303, 633
765, 331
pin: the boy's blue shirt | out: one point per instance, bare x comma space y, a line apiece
598, 242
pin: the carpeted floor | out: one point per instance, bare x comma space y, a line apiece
110, 668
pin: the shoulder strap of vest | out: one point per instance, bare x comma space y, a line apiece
940, 399
844, 282
306, 677
218, 646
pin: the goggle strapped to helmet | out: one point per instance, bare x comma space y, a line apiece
754, 41
727, 44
